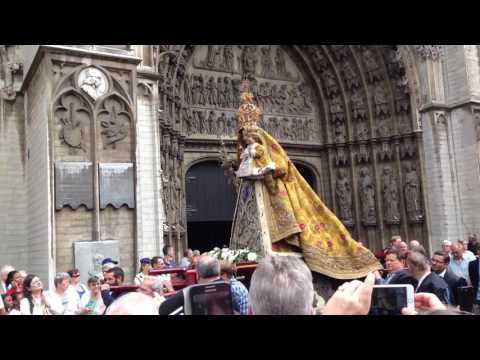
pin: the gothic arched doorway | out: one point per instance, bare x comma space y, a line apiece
308, 175
210, 204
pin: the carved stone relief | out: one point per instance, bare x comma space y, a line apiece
390, 196
343, 194
93, 82
286, 100
10, 68
73, 115
412, 193
114, 120
367, 197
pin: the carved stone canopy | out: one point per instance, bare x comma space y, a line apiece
433, 52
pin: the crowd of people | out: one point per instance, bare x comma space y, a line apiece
280, 285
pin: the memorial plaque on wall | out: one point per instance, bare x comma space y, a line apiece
90, 254
116, 185
73, 184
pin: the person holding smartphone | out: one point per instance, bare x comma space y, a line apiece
208, 269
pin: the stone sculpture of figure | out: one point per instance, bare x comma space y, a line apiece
211, 122
195, 90
187, 90
228, 58
282, 97
390, 196
358, 106
236, 92
367, 197
286, 132
294, 101
229, 126
211, 90
280, 62
201, 89
267, 63
343, 194
338, 119
306, 101
362, 130
261, 96
310, 128
220, 92
227, 92
412, 193
267, 101
211, 56
221, 123
249, 61
199, 121
7, 70
273, 98
91, 84
351, 78
217, 57
373, 68
274, 127
381, 102
330, 83
188, 121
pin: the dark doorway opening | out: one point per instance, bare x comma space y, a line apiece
210, 202
308, 175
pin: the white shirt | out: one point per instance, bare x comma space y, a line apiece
421, 279
139, 279
66, 304
442, 274
1, 304
38, 307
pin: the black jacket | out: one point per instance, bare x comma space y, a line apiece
436, 285
403, 277
473, 273
453, 282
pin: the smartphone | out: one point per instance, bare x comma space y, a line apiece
390, 299
209, 299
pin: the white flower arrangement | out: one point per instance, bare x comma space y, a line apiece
234, 256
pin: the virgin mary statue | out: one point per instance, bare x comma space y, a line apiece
278, 212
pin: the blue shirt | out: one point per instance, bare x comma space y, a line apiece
239, 297
460, 267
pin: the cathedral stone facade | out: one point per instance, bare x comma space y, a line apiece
115, 149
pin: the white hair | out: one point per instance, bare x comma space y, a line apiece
282, 285
447, 242
156, 284
6, 269
133, 303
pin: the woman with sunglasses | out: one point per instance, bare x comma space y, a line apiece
92, 302
75, 282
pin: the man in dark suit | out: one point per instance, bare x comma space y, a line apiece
440, 261
396, 270
474, 273
428, 282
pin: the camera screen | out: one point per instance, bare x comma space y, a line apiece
388, 301
217, 302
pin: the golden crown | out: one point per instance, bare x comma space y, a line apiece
249, 115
